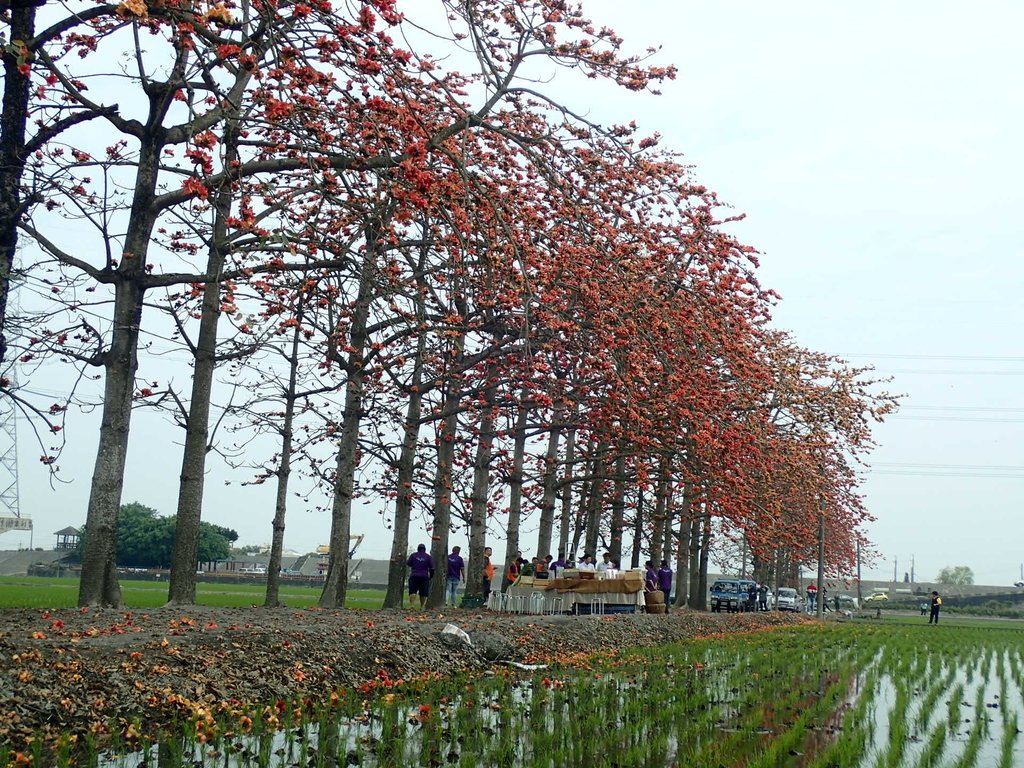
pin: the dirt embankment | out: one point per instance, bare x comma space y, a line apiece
72, 671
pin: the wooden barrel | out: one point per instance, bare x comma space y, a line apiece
656, 608
657, 597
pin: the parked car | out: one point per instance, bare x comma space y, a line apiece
788, 599
847, 603
875, 599
730, 595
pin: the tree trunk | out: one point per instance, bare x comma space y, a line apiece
682, 565
443, 485
182, 587
638, 530
403, 501
669, 537
702, 573
594, 505
616, 524
580, 521
336, 581
13, 120
660, 526
481, 485
393, 597
515, 491
547, 503
284, 468
682, 537
565, 522
694, 558
98, 584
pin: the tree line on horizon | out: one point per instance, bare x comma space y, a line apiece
393, 253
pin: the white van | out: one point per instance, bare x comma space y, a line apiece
788, 599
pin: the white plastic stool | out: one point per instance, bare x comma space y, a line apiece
536, 602
515, 603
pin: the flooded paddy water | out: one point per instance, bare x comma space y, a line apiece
864, 695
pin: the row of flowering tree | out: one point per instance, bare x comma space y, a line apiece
403, 271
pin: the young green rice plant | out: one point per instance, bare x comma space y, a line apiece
892, 757
934, 747
953, 716
937, 687
969, 756
1008, 741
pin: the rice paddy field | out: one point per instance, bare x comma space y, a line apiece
855, 694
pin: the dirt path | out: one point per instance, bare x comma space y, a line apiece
75, 671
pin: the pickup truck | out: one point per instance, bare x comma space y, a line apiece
730, 595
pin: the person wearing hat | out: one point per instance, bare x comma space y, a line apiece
421, 566
936, 604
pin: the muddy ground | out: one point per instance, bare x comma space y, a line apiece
69, 671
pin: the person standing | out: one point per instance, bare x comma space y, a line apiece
606, 562
456, 574
540, 568
421, 571
665, 581
933, 617
558, 565
812, 598
650, 578
512, 573
488, 578
762, 597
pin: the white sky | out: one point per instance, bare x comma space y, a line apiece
875, 148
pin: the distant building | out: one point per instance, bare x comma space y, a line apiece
67, 538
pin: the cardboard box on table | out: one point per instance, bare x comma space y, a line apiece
629, 583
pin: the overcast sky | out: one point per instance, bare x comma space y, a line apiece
876, 150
